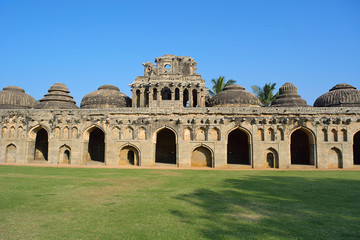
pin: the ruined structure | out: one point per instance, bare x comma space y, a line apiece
167, 123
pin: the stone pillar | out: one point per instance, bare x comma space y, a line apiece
190, 97
142, 93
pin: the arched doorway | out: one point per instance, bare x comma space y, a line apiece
201, 157
356, 148
272, 158
129, 156
41, 145
10, 153
302, 151
186, 98
165, 147
335, 158
165, 94
238, 148
96, 146
64, 155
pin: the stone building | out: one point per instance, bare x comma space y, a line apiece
171, 122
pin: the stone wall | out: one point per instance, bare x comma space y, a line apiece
201, 135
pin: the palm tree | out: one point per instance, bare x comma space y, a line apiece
265, 94
219, 84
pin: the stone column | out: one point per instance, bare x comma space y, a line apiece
190, 97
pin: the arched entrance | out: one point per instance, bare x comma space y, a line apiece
94, 145
201, 157
64, 155
41, 145
238, 148
302, 145
272, 158
335, 158
10, 153
165, 147
356, 148
129, 156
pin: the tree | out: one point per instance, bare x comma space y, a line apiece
265, 94
219, 84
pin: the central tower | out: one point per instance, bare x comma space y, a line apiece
170, 83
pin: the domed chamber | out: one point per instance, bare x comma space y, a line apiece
234, 96
15, 98
341, 95
288, 97
58, 97
107, 96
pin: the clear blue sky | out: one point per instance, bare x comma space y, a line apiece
313, 44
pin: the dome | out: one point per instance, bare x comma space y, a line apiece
15, 98
341, 95
288, 97
58, 97
234, 96
107, 96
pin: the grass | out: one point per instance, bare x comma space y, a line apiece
83, 203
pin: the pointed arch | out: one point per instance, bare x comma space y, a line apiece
11, 153
187, 134
335, 158
74, 132
20, 132
214, 134
261, 134
201, 134
165, 93
64, 154
271, 134
302, 146
166, 140
65, 134
344, 135
129, 154
128, 133
186, 98
325, 134
94, 145
141, 135
12, 132
202, 156
57, 131
177, 94
239, 146
4, 132
271, 158
335, 135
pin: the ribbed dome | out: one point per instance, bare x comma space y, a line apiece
234, 96
107, 96
57, 98
288, 97
341, 95
15, 98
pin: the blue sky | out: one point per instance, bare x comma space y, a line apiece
87, 43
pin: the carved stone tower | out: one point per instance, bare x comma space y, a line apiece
170, 83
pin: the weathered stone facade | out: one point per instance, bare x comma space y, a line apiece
168, 124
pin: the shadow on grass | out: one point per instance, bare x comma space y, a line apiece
275, 207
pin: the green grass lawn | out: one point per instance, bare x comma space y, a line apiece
83, 203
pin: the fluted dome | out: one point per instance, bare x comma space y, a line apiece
288, 97
57, 98
107, 96
15, 98
234, 96
342, 95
